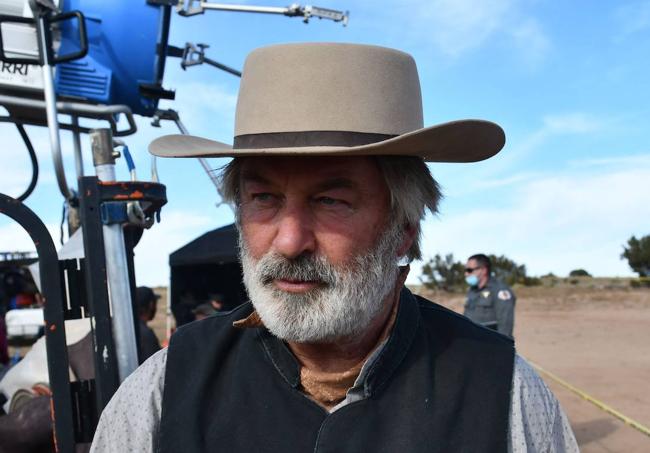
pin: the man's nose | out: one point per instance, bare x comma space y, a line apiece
295, 234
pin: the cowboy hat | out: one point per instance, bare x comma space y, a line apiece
339, 100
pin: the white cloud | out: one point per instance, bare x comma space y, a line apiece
531, 40
13, 238
633, 159
17, 169
633, 18
553, 125
151, 254
175, 230
501, 182
505, 169
456, 26
207, 108
570, 123
555, 223
16, 164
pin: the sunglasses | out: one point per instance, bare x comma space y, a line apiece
469, 270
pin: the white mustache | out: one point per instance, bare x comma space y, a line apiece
303, 268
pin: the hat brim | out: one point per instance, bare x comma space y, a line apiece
455, 141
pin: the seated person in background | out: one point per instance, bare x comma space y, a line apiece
25, 423
4, 348
204, 310
147, 302
216, 300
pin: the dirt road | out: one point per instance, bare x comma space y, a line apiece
603, 348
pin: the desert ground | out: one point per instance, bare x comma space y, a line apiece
596, 336
592, 333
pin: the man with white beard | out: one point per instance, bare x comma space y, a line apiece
333, 354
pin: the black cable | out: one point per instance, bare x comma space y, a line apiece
63, 215
32, 156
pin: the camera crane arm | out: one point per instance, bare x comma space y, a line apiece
192, 7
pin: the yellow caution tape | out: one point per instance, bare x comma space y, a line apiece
627, 420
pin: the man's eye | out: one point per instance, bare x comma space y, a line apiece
263, 198
327, 201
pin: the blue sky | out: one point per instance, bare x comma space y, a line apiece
568, 81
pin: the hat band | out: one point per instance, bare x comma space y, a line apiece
307, 138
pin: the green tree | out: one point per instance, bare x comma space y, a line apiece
443, 273
637, 254
507, 270
579, 273
449, 275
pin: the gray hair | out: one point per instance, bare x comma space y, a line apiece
410, 183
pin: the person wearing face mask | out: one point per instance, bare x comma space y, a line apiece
490, 302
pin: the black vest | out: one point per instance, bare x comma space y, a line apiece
441, 384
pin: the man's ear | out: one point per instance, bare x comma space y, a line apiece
410, 232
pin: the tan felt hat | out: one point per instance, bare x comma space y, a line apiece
336, 99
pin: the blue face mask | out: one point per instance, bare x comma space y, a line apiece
472, 280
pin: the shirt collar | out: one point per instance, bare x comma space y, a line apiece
378, 368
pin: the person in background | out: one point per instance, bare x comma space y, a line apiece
16, 291
183, 309
216, 300
147, 301
204, 310
4, 346
25, 419
490, 302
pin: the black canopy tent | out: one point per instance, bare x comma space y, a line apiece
207, 265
